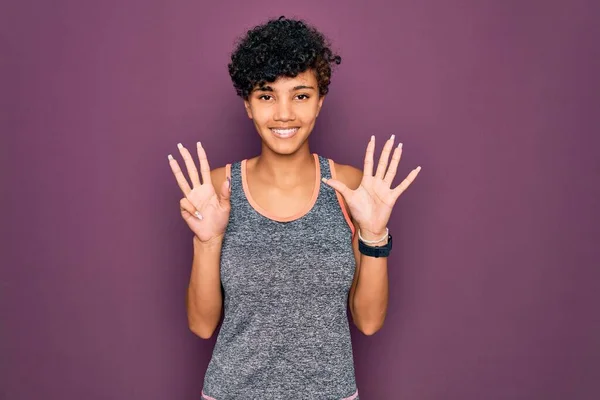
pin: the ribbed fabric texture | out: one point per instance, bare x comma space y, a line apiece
285, 334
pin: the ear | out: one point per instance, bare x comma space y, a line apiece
319, 105
248, 108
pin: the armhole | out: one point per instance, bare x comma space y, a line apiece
341, 200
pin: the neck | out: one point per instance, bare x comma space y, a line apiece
285, 170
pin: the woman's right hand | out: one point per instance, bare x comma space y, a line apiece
205, 211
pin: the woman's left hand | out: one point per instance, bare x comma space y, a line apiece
372, 202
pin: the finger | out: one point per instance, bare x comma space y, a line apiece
393, 168
186, 214
190, 165
225, 193
186, 205
337, 185
384, 158
204, 167
181, 181
405, 183
368, 168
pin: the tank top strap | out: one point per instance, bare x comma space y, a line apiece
325, 165
330, 195
234, 172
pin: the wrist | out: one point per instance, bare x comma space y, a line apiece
381, 236
213, 243
380, 248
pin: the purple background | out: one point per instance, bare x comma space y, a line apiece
494, 277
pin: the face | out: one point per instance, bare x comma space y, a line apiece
284, 112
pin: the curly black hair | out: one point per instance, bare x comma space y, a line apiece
280, 47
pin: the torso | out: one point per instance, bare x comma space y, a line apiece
286, 272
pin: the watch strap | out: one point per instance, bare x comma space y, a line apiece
375, 251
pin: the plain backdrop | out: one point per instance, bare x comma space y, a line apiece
494, 275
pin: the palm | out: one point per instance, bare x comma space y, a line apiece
372, 202
205, 211
215, 216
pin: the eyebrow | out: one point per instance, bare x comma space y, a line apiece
270, 89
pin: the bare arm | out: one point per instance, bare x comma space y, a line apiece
370, 199
369, 300
204, 297
368, 297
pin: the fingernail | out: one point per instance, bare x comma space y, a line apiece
324, 180
199, 144
393, 137
170, 157
400, 145
198, 215
229, 183
372, 137
180, 146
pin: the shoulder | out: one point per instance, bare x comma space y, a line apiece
348, 175
218, 176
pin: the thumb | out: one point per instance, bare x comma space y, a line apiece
337, 185
225, 193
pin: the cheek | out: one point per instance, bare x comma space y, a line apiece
262, 116
308, 113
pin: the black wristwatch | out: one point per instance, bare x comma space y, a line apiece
375, 251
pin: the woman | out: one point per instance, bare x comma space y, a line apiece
287, 240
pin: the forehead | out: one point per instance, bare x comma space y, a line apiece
306, 78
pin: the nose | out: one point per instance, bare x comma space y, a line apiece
284, 111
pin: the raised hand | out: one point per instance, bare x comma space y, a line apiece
372, 202
205, 211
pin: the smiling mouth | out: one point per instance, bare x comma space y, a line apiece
284, 133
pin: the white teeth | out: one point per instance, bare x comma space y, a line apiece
285, 132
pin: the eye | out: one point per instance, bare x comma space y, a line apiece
305, 96
261, 97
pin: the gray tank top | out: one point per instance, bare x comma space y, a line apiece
285, 333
